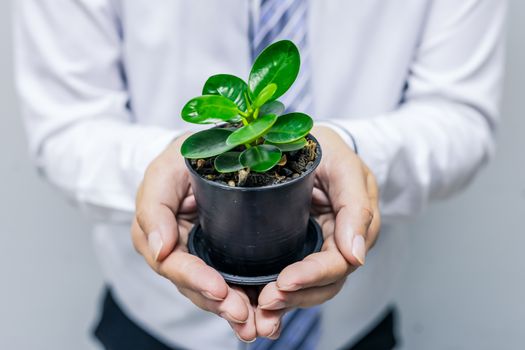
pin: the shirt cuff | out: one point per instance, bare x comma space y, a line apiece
342, 132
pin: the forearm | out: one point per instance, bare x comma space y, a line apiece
100, 163
75, 103
442, 132
423, 151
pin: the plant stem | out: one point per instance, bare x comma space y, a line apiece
244, 114
247, 99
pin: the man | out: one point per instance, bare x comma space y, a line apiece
412, 86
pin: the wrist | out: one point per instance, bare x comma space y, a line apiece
341, 132
171, 159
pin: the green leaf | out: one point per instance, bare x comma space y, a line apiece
290, 146
206, 143
278, 64
228, 162
252, 131
272, 107
229, 86
209, 109
265, 95
290, 127
261, 158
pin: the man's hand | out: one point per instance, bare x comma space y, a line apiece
165, 211
345, 203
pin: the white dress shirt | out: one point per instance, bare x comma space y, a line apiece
102, 84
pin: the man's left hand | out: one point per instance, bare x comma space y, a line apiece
345, 203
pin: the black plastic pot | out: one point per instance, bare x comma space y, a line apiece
254, 231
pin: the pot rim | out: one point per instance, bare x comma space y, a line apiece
265, 187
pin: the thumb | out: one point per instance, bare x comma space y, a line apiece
348, 192
159, 199
160, 226
157, 221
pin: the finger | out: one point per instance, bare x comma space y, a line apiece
166, 179
318, 269
351, 227
188, 205
189, 217
319, 198
275, 335
317, 182
269, 322
155, 246
232, 308
185, 227
138, 237
375, 225
247, 331
320, 203
352, 208
183, 269
159, 198
276, 299
327, 223
342, 175
346, 187
159, 224
190, 272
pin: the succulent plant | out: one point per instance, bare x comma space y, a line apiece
257, 132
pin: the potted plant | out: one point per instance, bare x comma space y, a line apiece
252, 173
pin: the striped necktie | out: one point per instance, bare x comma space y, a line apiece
278, 20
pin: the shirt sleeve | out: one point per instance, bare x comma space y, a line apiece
443, 131
74, 102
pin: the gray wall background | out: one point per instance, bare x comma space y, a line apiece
463, 287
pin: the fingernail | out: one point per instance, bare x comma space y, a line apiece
289, 287
155, 244
210, 296
275, 330
274, 305
243, 340
227, 316
359, 249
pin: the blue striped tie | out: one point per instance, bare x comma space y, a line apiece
286, 19
278, 20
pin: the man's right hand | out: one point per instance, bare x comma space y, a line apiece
165, 212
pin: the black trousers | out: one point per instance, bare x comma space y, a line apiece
115, 331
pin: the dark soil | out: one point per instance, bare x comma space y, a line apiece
292, 165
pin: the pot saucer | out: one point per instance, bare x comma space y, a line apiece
314, 241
